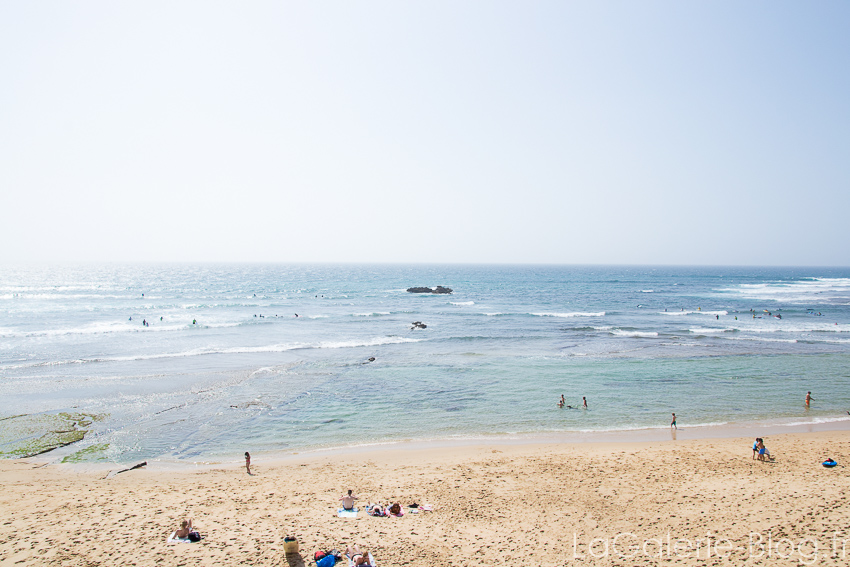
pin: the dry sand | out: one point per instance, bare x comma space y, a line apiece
493, 505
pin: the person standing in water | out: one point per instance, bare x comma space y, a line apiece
562, 402
809, 398
673, 423
584, 402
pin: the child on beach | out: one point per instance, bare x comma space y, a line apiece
673, 423
247, 462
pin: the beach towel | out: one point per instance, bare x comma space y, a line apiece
343, 513
174, 539
371, 561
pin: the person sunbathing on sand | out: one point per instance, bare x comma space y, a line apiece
395, 509
377, 510
185, 528
357, 557
348, 501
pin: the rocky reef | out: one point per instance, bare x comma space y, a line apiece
29, 435
438, 289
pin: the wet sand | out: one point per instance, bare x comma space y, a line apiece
501, 504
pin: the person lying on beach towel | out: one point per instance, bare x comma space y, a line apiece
377, 510
357, 558
395, 510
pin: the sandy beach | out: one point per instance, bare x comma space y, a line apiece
493, 505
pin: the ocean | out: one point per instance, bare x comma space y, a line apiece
200, 363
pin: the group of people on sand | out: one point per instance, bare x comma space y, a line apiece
562, 403
355, 557
760, 451
377, 510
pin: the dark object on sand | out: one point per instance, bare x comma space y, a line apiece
419, 325
438, 289
134, 467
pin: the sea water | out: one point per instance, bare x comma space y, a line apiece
199, 363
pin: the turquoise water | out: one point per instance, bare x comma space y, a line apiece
638, 342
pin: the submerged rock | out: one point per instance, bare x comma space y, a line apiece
29, 435
438, 289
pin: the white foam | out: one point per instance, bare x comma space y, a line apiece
377, 341
568, 315
634, 334
462, 302
373, 314
113, 327
803, 291
647, 291
705, 330
761, 339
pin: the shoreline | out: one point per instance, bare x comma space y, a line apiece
626, 437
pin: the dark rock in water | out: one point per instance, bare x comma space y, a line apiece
438, 289
419, 325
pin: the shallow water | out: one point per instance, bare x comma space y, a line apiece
638, 342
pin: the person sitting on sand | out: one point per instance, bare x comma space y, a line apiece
357, 557
348, 501
185, 528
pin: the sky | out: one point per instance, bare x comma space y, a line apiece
708, 133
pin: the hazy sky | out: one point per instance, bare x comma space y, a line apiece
540, 132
